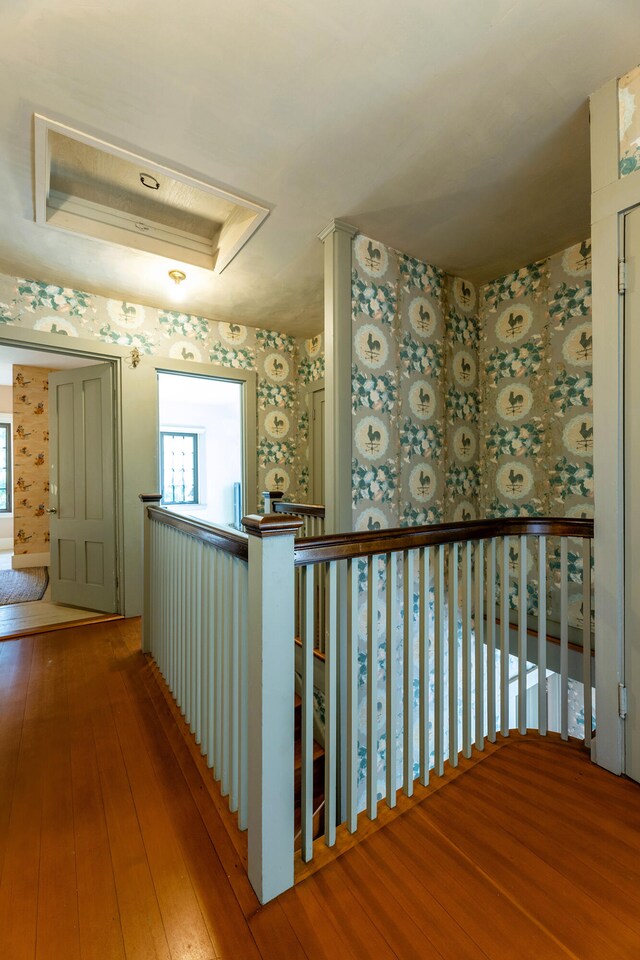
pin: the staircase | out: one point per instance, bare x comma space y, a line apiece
318, 780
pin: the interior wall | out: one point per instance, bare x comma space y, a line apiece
415, 391
311, 369
6, 520
278, 359
465, 407
31, 465
629, 122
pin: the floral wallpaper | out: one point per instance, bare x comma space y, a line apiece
415, 391
629, 124
278, 359
31, 459
535, 353
310, 370
536, 403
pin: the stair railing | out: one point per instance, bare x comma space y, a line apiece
455, 633
311, 514
219, 622
447, 628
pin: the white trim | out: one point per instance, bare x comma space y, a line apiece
612, 196
212, 371
241, 224
20, 561
130, 427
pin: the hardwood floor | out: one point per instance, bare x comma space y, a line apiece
111, 845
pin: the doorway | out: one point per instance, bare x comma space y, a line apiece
202, 446
631, 499
50, 575
316, 441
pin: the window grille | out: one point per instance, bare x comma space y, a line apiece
179, 466
5, 468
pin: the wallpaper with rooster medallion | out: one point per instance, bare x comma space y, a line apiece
281, 362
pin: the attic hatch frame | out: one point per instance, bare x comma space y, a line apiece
83, 217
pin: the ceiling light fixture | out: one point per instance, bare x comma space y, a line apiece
175, 291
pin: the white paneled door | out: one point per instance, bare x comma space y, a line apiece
632, 492
82, 496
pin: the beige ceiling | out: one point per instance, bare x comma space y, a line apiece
455, 130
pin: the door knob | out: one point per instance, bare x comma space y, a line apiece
52, 510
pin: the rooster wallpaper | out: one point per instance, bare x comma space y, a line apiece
469, 407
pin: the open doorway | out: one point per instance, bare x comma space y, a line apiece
201, 446
37, 482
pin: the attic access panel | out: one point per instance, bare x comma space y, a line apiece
92, 188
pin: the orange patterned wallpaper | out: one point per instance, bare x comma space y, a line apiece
31, 459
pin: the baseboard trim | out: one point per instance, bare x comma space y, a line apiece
21, 560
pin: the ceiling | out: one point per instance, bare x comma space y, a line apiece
37, 358
456, 131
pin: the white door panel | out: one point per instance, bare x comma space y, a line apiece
317, 454
632, 492
82, 497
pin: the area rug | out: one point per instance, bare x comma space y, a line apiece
21, 586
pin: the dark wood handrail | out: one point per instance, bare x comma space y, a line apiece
344, 546
231, 541
302, 509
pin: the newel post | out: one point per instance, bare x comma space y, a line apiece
271, 701
147, 500
270, 497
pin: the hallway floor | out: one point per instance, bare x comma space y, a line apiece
22, 619
112, 847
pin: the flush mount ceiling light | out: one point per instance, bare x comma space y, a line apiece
176, 291
87, 186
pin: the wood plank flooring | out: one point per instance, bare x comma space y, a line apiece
24, 619
112, 846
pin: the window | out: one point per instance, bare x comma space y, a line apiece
5, 467
179, 467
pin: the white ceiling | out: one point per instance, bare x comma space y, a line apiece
36, 358
455, 130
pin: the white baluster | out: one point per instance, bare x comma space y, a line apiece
491, 642
586, 638
504, 638
372, 687
331, 708
439, 641
234, 729
479, 645
542, 635
391, 678
453, 655
243, 772
564, 640
306, 636
522, 636
466, 649
352, 694
407, 663
424, 590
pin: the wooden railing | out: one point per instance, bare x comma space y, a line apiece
428, 614
417, 619
229, 664
311, 514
